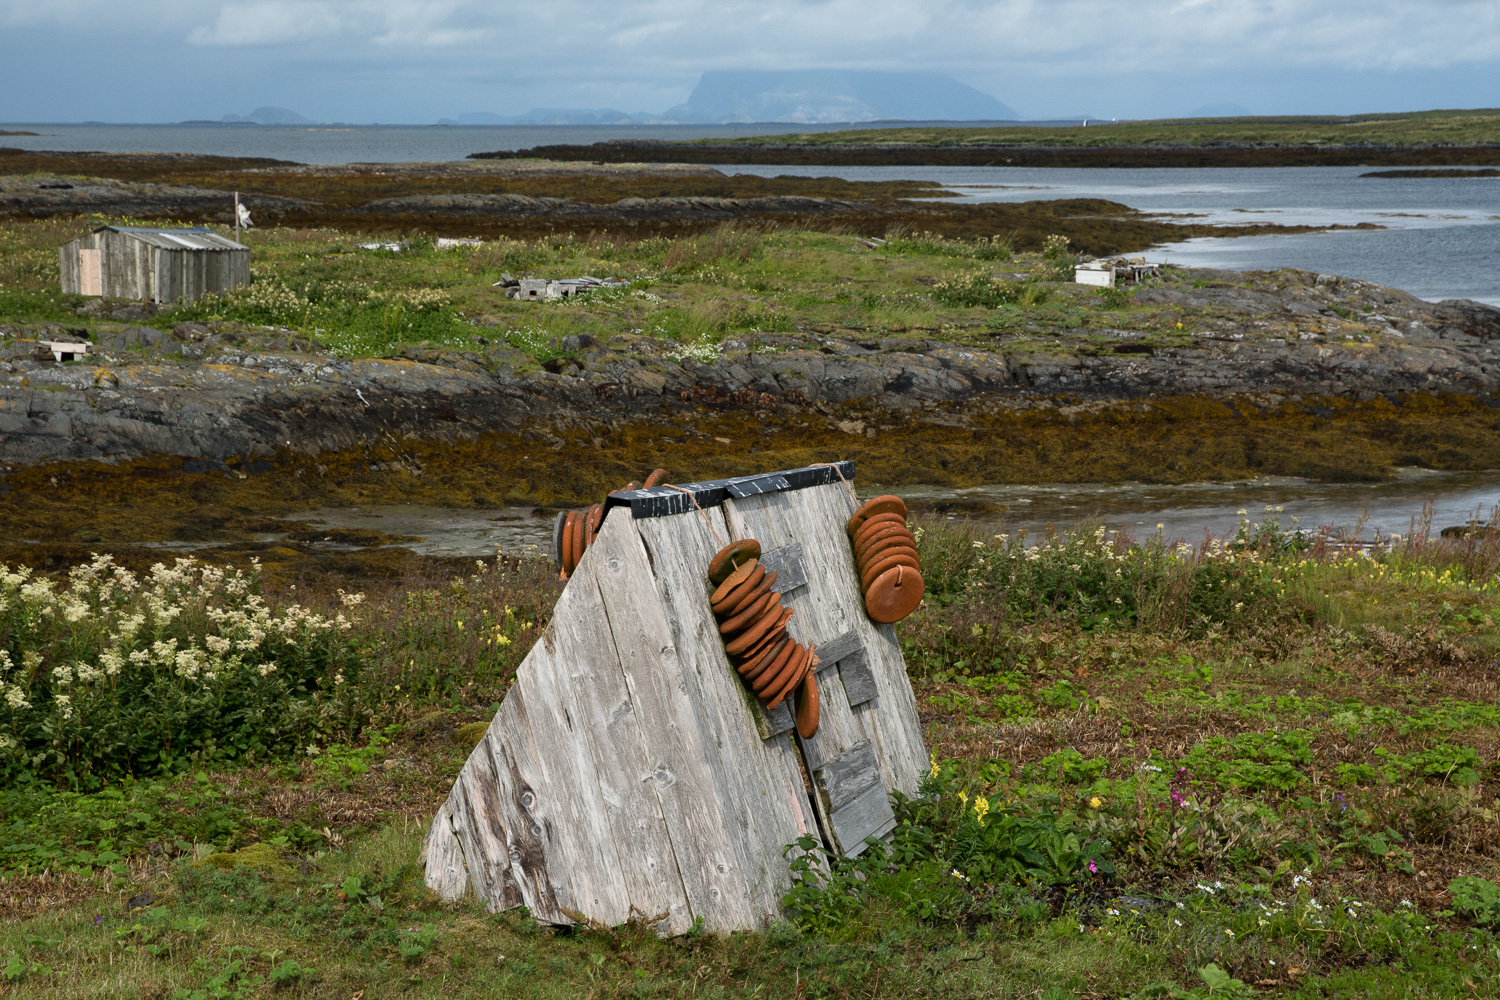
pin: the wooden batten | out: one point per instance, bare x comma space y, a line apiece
629, 773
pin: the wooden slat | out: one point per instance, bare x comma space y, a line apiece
868, 815
890, 718
592, 690
830, 606
789, 565
834, 650
843, 780
444, 857
760, 782
774, 521
858, 678
678, 734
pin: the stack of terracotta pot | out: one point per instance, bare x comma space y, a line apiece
885, 556
752, 621
580, 526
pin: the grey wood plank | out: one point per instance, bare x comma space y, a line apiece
443, 856
777, 720
890, 718
583, 862
816, 622
789, 564
858, 678
835, 649
704, 839
867, 815
760, 789
850, 774
591, 678
479, 829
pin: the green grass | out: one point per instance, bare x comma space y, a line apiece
1461, 127
318, 287
1264, 768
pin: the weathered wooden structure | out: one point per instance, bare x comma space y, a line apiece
628, 771
153, 265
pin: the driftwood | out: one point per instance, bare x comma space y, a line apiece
629, 772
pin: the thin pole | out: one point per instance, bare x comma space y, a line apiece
236, 216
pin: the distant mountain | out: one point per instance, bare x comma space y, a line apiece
1225, 110
828, 95
269, 115
553, 116
799, 96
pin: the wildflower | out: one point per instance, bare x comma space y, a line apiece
266, 669
1095, 802
1177, 922
1093, 868
1228, 932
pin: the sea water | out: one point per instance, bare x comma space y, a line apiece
1440, 236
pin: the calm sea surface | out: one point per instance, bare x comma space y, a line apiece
1441, 238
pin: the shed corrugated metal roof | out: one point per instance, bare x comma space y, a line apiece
196, 238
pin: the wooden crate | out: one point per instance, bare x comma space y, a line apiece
629, 772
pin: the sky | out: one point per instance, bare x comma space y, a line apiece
405, 61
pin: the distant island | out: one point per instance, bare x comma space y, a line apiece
1411, 139
1438, 172
4, 132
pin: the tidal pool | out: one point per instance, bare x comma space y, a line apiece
1184, 512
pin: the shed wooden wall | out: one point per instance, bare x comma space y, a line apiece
628, 770
134, 269
185, 275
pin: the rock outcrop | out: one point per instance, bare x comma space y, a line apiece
214, 393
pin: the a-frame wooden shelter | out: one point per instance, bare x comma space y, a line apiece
629, 773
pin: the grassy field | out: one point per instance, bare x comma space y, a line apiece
1463, 127
696, 291
1264, 766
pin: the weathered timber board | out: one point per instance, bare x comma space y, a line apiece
697, 809
591, 689
827, 608
890, 718
761, 782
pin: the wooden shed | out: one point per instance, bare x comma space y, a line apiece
155, 265
629, 772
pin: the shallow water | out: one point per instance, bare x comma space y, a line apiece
1187, 511
445, 531
1184, 512
1441, 238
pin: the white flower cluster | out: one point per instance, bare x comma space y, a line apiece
107, 621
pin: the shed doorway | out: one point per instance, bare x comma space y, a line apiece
90, 275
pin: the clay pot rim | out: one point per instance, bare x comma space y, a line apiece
728, 601
868, 509
728, 555
732, 581
884, 584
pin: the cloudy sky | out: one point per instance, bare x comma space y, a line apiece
413, 61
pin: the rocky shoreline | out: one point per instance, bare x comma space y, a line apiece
1156, 154
223, 394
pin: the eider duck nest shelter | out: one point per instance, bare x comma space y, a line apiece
630, 774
